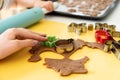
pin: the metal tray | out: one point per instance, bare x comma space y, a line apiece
63, 9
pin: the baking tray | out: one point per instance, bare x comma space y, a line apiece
63, 9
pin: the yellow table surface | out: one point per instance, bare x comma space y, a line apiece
101, 66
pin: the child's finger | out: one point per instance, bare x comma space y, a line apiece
27, 34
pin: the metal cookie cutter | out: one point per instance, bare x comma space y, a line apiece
114, 46
72, 27
108, 46
116, 49
116, 34
64, 46
90, 27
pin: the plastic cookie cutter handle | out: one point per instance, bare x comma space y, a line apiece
102, 36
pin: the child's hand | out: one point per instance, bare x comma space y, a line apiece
15, 39
48, 5
32, 3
